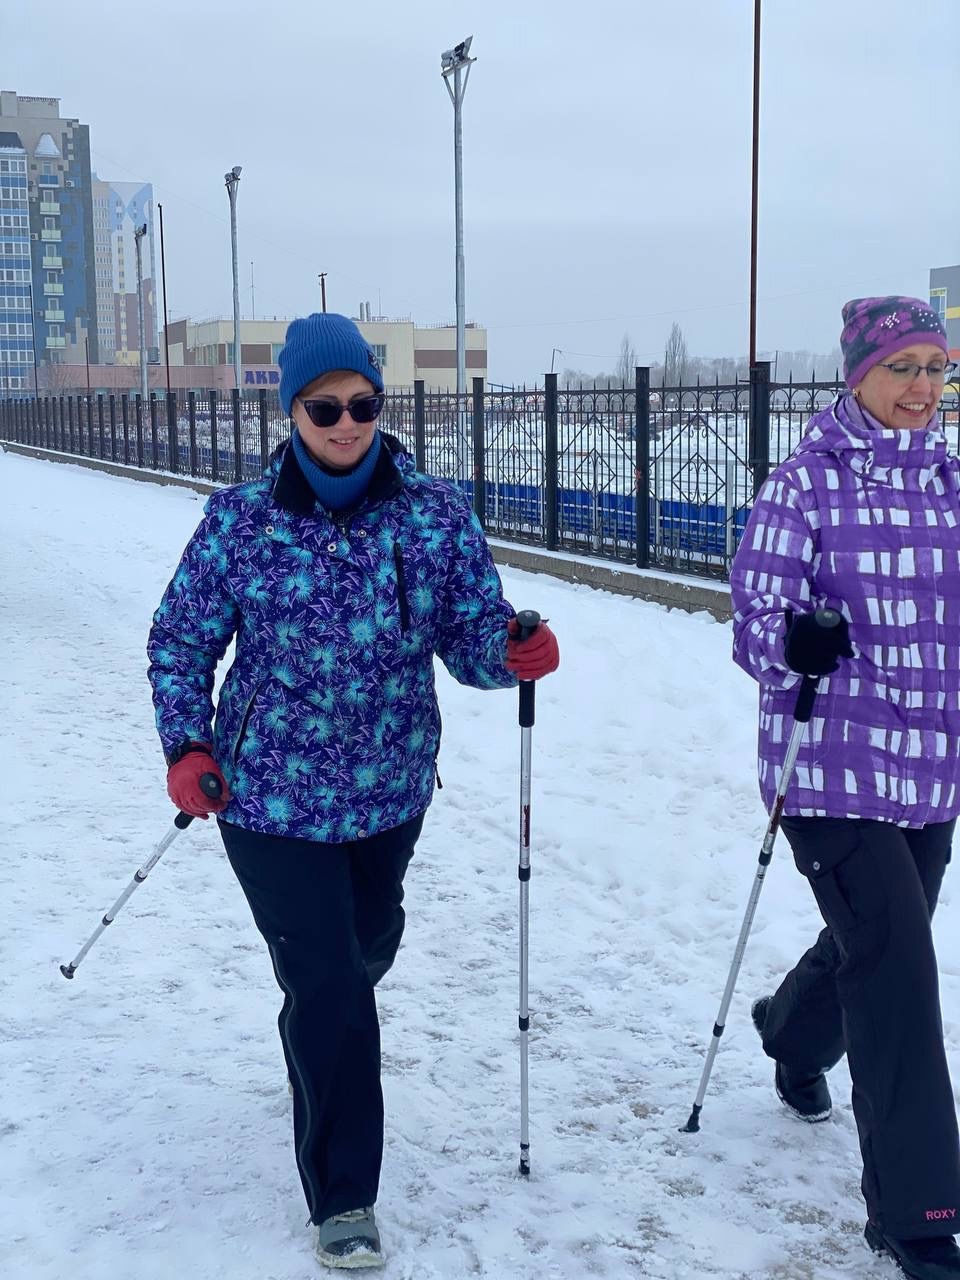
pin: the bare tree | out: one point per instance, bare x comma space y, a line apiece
626, 362
675, 357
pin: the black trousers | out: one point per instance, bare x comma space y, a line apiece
332, 918
868, 987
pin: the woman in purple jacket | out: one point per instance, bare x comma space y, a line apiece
864, 518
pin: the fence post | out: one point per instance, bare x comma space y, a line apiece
419, 425
138, 408
551, 460
264, 438
192, 422
154, 431
479, 467
237, 436
173, 443
112, 404
214, 455
125, 420
642, 463
100, 424
760, 423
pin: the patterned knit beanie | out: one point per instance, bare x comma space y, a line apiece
320, 344
874, 328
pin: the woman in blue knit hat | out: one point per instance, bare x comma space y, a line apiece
339, 574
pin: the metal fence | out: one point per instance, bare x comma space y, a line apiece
580, 470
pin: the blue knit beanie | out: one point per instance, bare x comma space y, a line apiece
320, 344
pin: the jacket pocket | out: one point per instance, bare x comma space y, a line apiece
245, 721
401, 588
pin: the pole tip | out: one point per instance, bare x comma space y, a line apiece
693, 1122
67, 970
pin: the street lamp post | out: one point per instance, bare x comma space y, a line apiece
232, 180
138, 235
456, 63
754, 183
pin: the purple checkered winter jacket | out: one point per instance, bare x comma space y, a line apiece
867, 521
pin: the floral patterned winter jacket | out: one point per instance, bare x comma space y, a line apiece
327, 726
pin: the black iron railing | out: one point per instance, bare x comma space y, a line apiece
579, 470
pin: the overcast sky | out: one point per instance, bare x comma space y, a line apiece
606, 158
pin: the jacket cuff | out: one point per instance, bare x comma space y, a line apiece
185, 748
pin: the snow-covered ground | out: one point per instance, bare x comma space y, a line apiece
144, 1116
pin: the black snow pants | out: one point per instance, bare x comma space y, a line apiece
332, 918
868, 987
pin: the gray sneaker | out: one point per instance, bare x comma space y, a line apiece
350, 1240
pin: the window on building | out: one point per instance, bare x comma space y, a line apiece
938, 300
380, 351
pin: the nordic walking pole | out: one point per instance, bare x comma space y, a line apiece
210, 786
527, 621
802, 711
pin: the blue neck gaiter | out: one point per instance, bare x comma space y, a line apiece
337, 490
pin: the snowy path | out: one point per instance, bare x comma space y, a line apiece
144, 1127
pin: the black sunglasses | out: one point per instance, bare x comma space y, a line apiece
327, 413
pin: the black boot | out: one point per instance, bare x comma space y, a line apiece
803, 1092
929, 1258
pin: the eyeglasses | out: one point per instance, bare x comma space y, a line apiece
327, 413
937, 372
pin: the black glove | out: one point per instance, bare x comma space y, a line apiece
812, 648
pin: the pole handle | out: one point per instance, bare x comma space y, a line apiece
211, 787
527, 622
803, 709
528, 694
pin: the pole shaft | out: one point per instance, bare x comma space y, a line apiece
766, 852
138, 879
755, 182
163, 280
232, 191
458, 197
33, 342
138, 237
526, 734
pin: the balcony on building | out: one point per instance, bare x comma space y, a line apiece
52, 290
53, 316
50, 233
52, 261
49, 206
56, 342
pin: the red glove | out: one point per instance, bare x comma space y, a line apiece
534, 657
183, 782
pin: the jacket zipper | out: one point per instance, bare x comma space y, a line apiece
244, 723
401, 588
